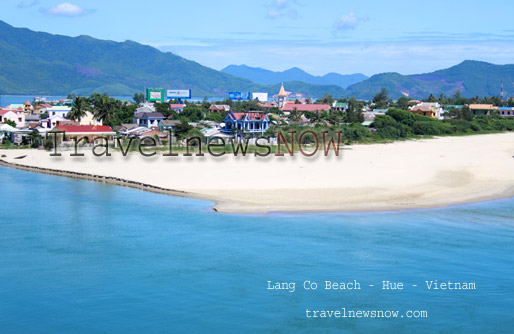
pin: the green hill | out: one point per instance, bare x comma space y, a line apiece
471, 78
41, 63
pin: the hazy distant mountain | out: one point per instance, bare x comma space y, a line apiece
472, 78
41, 63
266, 77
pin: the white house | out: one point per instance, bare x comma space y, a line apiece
148, 119
52, 121
58, 111
145, 109
16, 116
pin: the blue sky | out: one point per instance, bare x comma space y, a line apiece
318, 36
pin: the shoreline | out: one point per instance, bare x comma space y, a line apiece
102, 179
428, 173
226, 207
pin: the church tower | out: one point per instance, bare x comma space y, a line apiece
282, 97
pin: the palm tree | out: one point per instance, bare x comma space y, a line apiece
295, 115
34, 138
78, 110
316, 118
105, 107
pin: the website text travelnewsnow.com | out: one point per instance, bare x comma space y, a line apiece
147, 146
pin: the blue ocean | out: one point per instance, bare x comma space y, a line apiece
85, 257
6, 100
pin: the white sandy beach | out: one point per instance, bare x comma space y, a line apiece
412, 174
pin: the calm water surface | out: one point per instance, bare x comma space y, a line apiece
83, 257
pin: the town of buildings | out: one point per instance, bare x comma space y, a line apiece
47, 117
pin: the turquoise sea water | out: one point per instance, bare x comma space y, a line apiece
83, 257
6, 100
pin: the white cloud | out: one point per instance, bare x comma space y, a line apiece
282, 8
407, 57
67, 9
346, 22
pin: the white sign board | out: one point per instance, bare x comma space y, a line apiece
178, 94
262, 97
155, 95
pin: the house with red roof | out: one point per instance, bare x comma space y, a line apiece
177, 107
219, 108
248, 122
268, 105
15, 115
90, 132
288, 107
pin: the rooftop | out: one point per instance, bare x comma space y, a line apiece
306, 107
85, 129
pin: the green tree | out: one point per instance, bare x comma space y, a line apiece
195, 132
326, 99
192, 113
182, 129
403, 103
316, 117
105, 108
354, 112
381, 99
163, 108
214, 116
139, 98
431, 98
9, 122
79, 108
461, 114
125, 114
295, 115
34, 139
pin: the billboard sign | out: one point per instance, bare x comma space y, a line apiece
178, 94
235, 96
155, 95
262, 97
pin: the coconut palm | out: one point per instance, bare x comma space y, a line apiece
79, 108
105, 107
295, 115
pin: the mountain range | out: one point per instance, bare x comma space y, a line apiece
471, 78
41, 63
266, 77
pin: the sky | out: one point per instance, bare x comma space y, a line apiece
319, 37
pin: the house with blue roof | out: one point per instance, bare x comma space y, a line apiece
248, 123
506, 111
